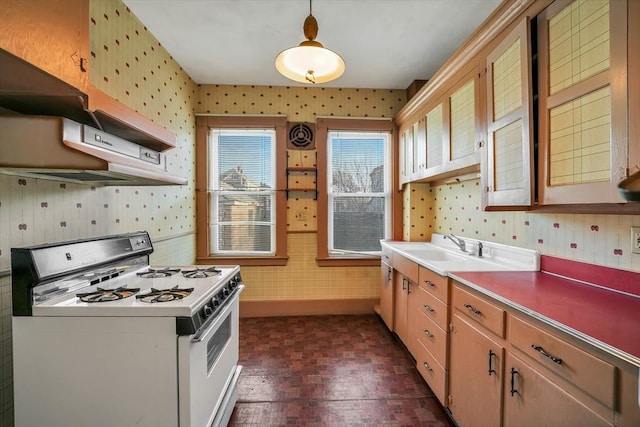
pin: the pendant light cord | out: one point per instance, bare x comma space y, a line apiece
310, 10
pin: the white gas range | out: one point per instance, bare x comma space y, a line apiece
100, 338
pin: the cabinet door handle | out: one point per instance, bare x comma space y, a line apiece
388, 274
545, 354
513, 381
430, 283
491, 370
403, 283
428, 308
473, 310
427, 367
428, 334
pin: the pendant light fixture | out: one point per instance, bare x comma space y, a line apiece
310, 62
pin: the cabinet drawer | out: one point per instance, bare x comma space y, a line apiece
593, 375
405, 266
434, 283
430, 306
483, 312
434, 374
432, 337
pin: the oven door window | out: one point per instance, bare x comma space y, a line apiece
218, 341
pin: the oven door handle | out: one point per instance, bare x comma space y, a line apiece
204, 329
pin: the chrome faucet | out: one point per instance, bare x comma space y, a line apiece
458, 241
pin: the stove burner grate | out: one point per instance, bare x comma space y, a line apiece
154, 274
164, 295
106, 295
199, 273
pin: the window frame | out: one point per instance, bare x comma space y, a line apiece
204, 124
323, 127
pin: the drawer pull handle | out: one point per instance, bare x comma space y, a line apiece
473, 310
543, 352
427, 367
430, 283
491, 370
428, 308
428, 334
513, 382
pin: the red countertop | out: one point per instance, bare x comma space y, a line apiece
609, 316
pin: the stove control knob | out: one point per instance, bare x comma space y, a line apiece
225, 292
206, 311
215, 301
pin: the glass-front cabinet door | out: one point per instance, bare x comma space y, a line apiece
464, 120
507, 158
583, 126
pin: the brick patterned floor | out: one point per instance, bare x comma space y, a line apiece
329, 371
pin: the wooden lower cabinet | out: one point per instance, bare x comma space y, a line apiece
475, 375
386, 294
402, 288
493, 366
433, 373
532, 399
530, 376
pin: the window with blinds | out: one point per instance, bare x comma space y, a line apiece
359, 196
242, 191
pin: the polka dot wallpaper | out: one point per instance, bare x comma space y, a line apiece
128, 63
599, 239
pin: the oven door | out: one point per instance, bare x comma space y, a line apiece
208, 369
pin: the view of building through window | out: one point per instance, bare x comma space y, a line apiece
242, 191
358, 191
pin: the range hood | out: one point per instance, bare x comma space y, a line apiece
64, 146
61, 149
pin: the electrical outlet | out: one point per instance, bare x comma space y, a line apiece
635, 240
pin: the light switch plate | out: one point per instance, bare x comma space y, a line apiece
635, 240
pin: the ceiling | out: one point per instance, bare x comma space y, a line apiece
384, 43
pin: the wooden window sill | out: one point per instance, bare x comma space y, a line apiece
273, 260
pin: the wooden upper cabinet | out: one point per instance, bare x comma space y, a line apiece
406, 154
434, 135
583, 101
450, 131
419, 149
50, 34
507, 158
412, 152
463, 123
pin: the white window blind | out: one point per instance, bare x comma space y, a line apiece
242, 191
358, 190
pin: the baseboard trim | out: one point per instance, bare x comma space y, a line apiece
307, 307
